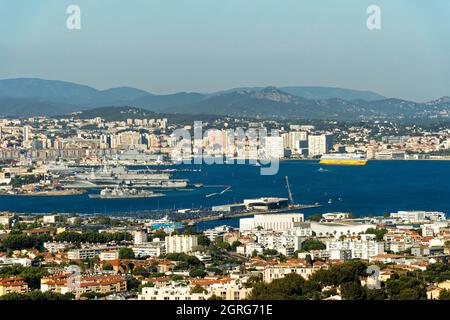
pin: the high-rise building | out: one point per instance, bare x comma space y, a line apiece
296, 141
140, 237
27, 133
181, 243
273, 147
319, 144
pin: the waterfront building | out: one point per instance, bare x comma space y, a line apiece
273, 147
266, 203
276, 222
319, 144
390, 155
417, 216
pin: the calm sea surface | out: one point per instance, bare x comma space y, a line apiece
379, 187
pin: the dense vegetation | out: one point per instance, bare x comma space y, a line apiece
22, 241
346, 279
31, 275
37, 296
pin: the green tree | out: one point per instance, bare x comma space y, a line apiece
308, 259
375, 294
197, 273
352, 291
141, 271
315, 217
291, 287
107, 267
444, 295
312, 244
379, 233
198, 289
126, 253
203, 240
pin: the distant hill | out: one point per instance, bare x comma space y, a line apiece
68, 93
318, 93
275, 103
30, 96
23, 107
167, 102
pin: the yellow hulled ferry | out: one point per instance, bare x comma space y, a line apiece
349, 159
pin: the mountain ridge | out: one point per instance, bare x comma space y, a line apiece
23, 97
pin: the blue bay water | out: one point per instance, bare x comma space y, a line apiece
375, 189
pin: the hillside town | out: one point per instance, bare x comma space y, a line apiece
60, 257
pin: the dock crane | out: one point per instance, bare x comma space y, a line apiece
291, 198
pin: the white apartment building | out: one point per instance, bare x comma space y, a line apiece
213, 234
319, 144
230, 291
181, 243
296, 141
340, 254
55, 247
50, 219
273, 147
5, 261
249, 248
150, 249
276, 222
279, 240
171, 293
362, 248
109, 255
280, 271
88, 252
418, 216
140, 237
433, 229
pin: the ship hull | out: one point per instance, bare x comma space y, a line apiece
343, 162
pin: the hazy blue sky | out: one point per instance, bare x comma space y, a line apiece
165, 46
